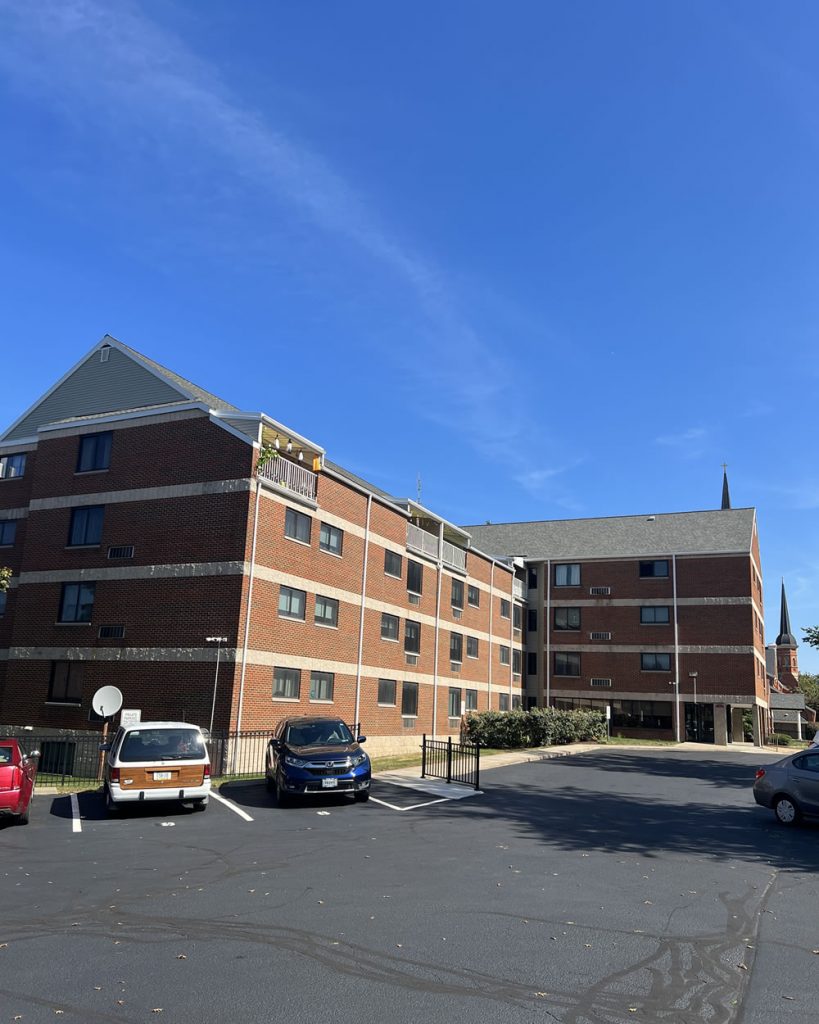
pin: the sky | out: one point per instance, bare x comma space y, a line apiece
555, 260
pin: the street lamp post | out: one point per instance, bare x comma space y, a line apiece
693, 677
673, 682
218, 640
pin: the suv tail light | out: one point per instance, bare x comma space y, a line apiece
114, 775
207, 771
760, 772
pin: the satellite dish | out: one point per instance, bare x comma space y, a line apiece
107, 701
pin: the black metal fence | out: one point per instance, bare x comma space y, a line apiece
454, 762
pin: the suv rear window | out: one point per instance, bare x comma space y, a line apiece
162, 745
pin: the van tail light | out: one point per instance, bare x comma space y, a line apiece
114, 775
760, 772
207, 771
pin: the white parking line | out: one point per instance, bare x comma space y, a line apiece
76, 823
232, 806
413, 807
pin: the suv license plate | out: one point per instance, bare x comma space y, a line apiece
329, 783
162, 776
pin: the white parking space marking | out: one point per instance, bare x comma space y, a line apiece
76, 823
232, 806
413, 807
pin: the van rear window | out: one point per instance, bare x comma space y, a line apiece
162, 745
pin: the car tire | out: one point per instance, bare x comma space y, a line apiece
362, 796
201, 805
22, 819
270, 783
786, 809
110, 804
282, 798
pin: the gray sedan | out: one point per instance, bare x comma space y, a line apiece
790, 787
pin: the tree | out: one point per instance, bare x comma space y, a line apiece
811, 635
5, 578
809, 685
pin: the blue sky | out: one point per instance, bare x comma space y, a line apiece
558, 259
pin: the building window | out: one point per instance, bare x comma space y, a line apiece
76, 602
472, 647
321, 685
503, 701
531, 620
393, 563
65, 684
457, 594
297, 526
3, 598
454, 702
517, 661
655, 615
655, 662
471, 700
567, 618
291, 603
95, 452
286, 683
517, 616
389, 626
331, 539
505, 608
567, 663
656, 569
409, 699
8, 531
412, 637
567, 575
504, 655
326, 611
386, 692
473, 596
86, 525
531, 579
12, 466
456, 647
415, 577
531, 663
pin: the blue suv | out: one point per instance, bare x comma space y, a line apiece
316, 755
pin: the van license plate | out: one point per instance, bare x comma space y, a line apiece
162, 776
329, 783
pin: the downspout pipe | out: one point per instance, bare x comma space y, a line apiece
437, 631
245, 641
676, 653
491, 638
548, 632
358, 667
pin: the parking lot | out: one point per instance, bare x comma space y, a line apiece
614, 886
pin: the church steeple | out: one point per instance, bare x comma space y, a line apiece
785, 638
726, 497
787, 659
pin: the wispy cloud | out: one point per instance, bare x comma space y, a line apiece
689, 443
110, 65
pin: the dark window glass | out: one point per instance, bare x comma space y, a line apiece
504, 608
8, 531
297, 525
86, 525
503, 701
76, 602
412, 637
567, 618
567, 575
472, 647
95, 452
415, 577
386, 692
471, 700
531, 620
504, 655
517, 661
655, 615
657, 568
473, 596
457, 594
456, 647
286, 682
516, 703
567, 663
12, 465
326, 611
531, 579
517, 616
655, 662
3, 597
454, 703
65, 684
389, 626
641, 714
531, 663
409, 699
292, 603
321, 685
331, 539
392, 563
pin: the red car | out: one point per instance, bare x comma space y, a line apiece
18, 771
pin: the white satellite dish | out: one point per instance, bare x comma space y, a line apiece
107, 701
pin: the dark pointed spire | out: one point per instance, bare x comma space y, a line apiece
785, 638
726, 497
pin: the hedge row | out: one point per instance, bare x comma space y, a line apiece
540, 727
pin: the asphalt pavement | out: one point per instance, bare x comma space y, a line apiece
611, 886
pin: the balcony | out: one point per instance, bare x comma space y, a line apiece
427, 544
519, 588
291, 476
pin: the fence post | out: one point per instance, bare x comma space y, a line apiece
449, 759
423, 755
477, 766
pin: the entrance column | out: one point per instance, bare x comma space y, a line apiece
737, 727
757, 725
720, 725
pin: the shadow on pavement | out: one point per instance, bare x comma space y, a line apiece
253, 794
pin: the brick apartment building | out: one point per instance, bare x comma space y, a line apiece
139, 521
619, 609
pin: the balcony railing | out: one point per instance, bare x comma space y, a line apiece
427, 544
519, 588
291, 475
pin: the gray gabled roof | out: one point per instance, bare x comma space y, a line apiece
722, 531
787, 700
192, 391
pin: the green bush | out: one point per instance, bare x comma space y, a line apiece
540, 727
780, 739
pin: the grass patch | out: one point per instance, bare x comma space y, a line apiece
630, 741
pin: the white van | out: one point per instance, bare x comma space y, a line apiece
157, 761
